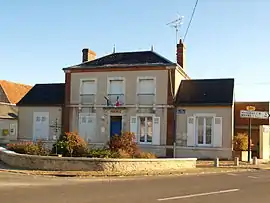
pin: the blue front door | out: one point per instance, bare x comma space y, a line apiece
116, 125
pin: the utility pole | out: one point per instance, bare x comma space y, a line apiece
176, 24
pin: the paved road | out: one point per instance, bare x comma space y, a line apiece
248, 187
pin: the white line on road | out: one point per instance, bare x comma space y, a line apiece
232, 174
252, 177
197, 195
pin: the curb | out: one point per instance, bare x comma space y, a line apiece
66, 174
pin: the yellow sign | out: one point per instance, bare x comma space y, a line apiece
5, 132
116, 111
251, 108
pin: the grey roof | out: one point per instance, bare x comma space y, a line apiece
205, 92
44, 94
123, 59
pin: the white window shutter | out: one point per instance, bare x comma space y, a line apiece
134, 126
190, 131
156, 131
217, 138
91, 122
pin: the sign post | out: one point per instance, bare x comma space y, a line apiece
251, 113
249, 108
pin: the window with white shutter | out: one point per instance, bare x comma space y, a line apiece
204, 130
88, 91
116, 91
146, 91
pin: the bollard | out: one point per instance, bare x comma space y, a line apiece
216, 162
236, 161
255, 160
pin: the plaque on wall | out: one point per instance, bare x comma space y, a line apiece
145, 110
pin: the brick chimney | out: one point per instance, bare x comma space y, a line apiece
88, 55
181, 54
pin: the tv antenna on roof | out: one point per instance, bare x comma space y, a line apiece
176, 24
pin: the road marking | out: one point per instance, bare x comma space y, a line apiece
232, 174
252, 177
198, 195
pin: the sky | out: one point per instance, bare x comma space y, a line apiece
226, 39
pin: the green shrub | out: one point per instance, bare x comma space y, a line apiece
102, 153
29, 148
70, 144
125, 143
240, 142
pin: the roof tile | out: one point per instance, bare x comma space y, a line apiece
14, 91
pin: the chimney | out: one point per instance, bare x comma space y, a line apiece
88, 55
181, 53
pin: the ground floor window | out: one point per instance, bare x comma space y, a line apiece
204, 130
145, 126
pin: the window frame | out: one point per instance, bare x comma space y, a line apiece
139, 129
204, 116
81, 87
109, 79
138, 83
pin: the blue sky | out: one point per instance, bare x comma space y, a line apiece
227, 38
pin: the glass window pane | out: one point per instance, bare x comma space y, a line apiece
142, 129
149, 129
208, 133
200, 130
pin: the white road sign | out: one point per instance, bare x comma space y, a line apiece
254, 114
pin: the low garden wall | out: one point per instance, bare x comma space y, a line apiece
95, 164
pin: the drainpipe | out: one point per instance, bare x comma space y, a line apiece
174, 131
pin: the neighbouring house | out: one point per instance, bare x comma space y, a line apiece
10, 94
241, 124
128, 91
205, 118
8, 122
40, 112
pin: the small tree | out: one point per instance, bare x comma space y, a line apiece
71, 144
240, 142
124, 143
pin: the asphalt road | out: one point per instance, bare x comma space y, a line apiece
248, 187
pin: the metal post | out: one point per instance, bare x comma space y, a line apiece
216, 162
249, 139
236, 161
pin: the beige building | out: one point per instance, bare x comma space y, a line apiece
10, 94
40, 113
8, 123
205, 118
130, 91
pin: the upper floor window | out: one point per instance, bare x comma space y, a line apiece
116, 91
146, 90
88, 91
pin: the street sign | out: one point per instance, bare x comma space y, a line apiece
251, 108
254, 114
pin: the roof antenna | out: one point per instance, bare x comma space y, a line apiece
176, 24
114, 48
152, 48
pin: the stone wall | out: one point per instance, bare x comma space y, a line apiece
95, 164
